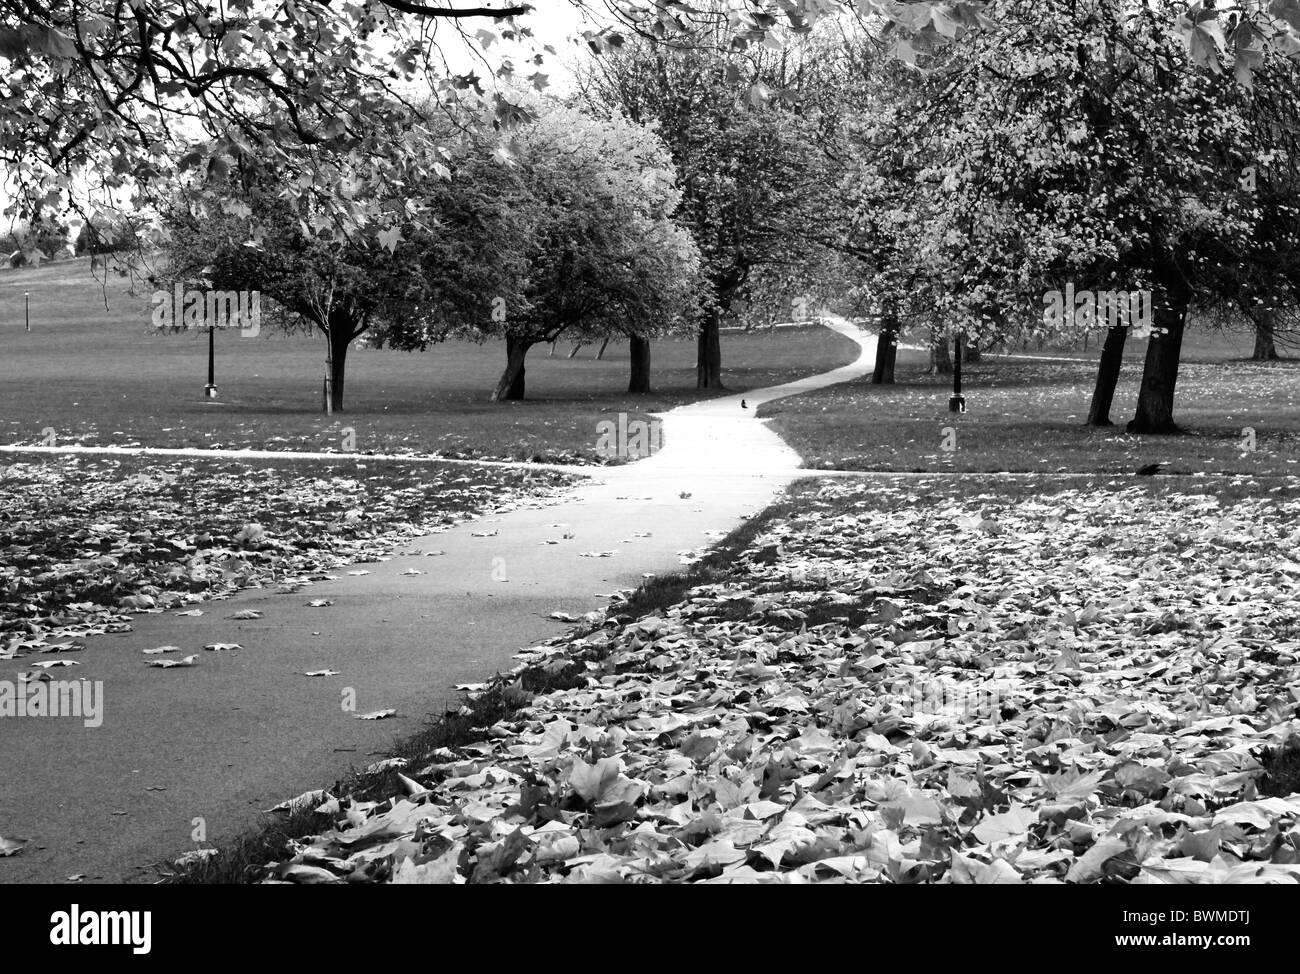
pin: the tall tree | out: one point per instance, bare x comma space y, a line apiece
749, 175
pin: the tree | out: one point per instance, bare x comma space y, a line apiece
246, 235
1091, 151
602, 251
749, 175
96, 93
570, 218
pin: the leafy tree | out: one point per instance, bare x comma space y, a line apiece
603, 253
100, 99
1088, 148
748, 171
250, 236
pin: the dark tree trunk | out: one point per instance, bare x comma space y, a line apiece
603, 345
639, 374
511, 383
886, 351
708, 361
1265, 347
338, 359
940, 356
1103, 394
970, 353
342, 329
1155, 406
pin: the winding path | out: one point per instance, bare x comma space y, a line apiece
213, 744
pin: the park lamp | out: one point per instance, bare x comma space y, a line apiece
956, 402
210, 390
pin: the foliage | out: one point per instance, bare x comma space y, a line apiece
962, 705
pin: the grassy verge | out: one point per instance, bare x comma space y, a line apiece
99, 375
1027, 416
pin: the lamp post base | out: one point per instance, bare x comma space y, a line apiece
209, 392
956, 404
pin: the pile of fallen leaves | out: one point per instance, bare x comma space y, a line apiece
86, 542
1069, 688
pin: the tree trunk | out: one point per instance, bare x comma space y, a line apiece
338, 358
708, 360
940, 356
886, 351
639, 376
1112, 356
1265, 348
1155, 406
511, 383
338, 337
970, 353
603, 345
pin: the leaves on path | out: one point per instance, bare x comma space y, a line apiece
923, 688
87, 541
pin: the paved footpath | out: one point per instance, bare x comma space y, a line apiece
245, 729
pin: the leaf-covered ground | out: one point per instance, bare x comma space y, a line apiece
906, 683
87, 542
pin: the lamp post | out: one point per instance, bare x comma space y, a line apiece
956, 402
210, 390
27, 311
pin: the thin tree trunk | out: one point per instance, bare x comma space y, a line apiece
1103, 393
708, 360
639, 375
886, 350
970, 352
603, 345
511, 383
1155, 405
576, 349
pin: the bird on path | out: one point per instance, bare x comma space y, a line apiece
742, 404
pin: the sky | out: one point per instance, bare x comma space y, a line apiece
554, 22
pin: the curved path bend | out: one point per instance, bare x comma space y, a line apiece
243, 730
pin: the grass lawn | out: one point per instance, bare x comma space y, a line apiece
1026, 414
100, 377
